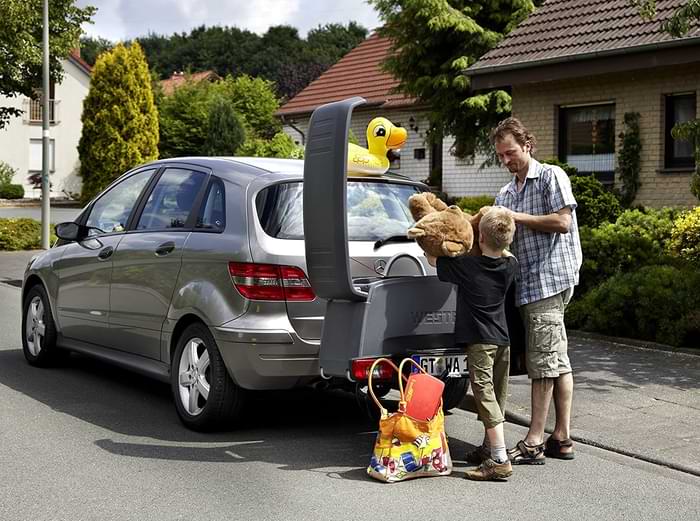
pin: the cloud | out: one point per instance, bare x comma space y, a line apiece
126, 19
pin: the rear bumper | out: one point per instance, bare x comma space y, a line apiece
267, 359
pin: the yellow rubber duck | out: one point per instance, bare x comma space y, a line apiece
382, 136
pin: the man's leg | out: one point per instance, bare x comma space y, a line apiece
541, 391
563, 397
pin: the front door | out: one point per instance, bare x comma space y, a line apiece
147, 263
85, 270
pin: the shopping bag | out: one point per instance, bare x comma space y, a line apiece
407, 447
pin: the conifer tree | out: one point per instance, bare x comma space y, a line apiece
120, 121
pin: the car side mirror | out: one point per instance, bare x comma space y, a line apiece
68, 231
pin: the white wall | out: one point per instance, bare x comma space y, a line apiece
459, 178
17, 135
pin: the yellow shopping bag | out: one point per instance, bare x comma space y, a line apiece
406, 447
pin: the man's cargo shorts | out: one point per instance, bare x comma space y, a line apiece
546, 336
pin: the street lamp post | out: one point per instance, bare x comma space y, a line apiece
45, 186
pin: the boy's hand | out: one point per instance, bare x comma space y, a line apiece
431, 260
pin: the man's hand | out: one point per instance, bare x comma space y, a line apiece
431, 260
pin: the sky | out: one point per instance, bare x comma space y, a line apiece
125, 19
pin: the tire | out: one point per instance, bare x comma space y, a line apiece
454, 392
206, 398
38, 329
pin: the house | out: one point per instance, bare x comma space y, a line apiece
360, 73
576, 68
179, 78
21, 139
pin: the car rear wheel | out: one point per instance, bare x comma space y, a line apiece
205, 396
38, 329
454, 392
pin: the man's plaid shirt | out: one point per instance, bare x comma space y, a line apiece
549, 262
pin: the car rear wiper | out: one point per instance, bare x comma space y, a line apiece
393, 238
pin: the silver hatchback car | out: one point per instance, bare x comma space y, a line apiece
193, 271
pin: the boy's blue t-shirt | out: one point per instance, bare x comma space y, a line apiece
483, 284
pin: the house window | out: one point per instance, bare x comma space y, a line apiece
587, 139
678, 152
35, 155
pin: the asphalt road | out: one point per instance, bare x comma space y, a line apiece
85, 441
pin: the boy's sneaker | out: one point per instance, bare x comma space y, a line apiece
489, 470
478, 455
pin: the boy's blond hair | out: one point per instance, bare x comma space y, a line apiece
497, 227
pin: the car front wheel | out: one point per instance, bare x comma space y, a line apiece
38, 329
205, 396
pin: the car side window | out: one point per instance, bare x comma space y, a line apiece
212, 215
111, 211
170, 203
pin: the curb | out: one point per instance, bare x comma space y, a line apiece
468, 405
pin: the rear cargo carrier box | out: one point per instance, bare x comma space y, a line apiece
392, 316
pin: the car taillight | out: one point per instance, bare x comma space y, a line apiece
360, 370
270, 281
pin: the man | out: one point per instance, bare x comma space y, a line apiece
548, 250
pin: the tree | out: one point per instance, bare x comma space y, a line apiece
225, 130
120, 121
184, 120
21, 27
434, 41
678, 25
255, 100
91, 48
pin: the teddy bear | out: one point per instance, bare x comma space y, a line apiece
441, 230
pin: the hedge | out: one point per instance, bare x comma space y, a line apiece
11, 192
655, 303
21, 234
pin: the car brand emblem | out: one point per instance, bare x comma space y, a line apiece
379, 266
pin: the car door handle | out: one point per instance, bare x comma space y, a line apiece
165, 248
105, 253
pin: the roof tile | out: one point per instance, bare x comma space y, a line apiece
358, 73
568, 28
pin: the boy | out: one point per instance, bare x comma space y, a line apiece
482, 284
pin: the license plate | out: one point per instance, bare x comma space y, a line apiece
453, 366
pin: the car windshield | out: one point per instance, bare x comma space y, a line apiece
376, 210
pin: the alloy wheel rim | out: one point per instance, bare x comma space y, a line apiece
35, 328
194, 376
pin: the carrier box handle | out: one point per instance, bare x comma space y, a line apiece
325, 201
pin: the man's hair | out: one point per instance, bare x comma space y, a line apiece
515, 128
497, 227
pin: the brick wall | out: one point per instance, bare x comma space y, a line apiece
639, 91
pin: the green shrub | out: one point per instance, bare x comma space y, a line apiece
685, 236
638, 238
11, 191
473, 204
655, 303
6, 174
21, 234
596, 205
281, 145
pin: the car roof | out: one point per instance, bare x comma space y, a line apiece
254, 167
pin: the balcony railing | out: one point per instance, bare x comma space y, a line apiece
33, 111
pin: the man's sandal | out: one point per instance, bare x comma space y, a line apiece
524, 454
553, 448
